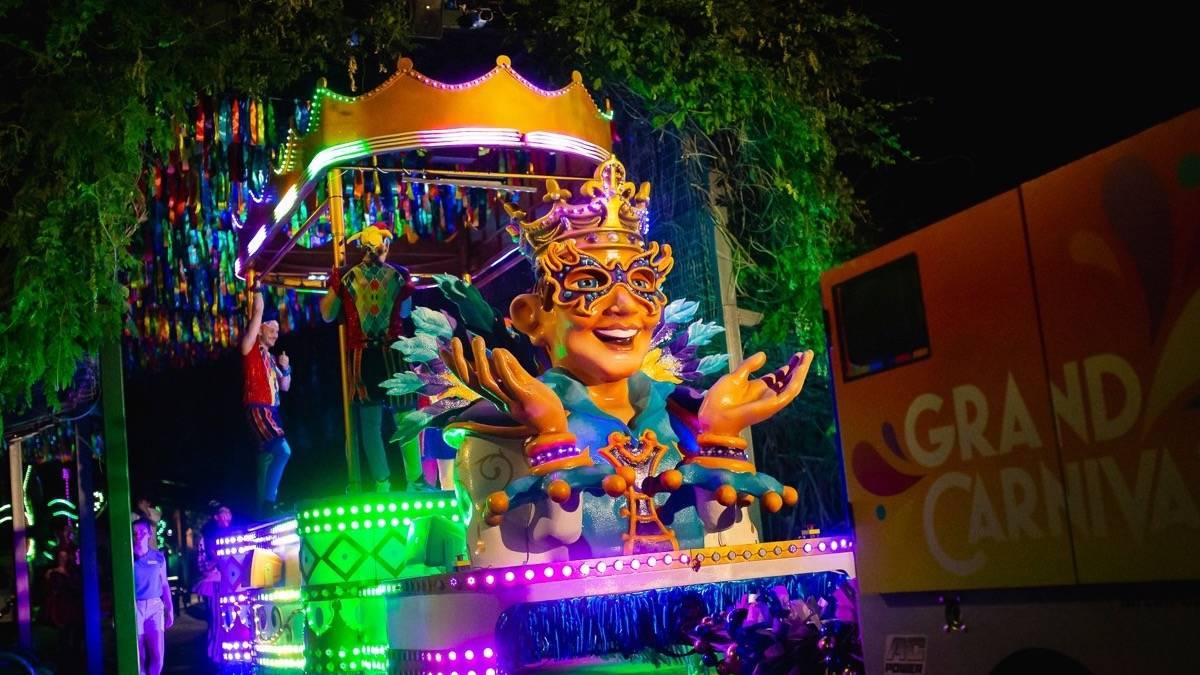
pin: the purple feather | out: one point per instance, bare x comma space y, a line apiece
663, 333
435, 389
680, 341
684, 354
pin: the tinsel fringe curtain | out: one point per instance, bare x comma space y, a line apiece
630, 623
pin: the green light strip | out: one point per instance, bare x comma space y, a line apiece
283, 663
281, 595
377, 514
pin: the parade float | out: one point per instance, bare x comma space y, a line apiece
589, 505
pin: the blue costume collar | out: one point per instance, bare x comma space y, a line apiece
647, 396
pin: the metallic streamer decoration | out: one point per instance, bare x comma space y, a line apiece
631, 623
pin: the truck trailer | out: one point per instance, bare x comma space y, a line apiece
1017, 390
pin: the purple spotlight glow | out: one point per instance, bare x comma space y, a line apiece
490, 671
509, 576
453, 582
528, 575
489, 579
808, 548
470, 582
488, 653
634, 564
453, 655
833, 546
549, 572
601, 567
683, 558
585, 569
821, 546
437, 657
844, 544
566, 570
469, 655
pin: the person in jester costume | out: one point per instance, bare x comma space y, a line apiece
373, 298
594, 457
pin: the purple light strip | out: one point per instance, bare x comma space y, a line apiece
433, 138
279, 534
505, 66
548, 140
553, 453
490, 579
477, 659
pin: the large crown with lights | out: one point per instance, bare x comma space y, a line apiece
615, 215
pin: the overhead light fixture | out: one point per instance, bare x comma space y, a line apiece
474, 19
468, 182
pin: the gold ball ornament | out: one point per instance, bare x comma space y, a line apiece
726, 495
670, 480
559, 491
772, 502
614, 486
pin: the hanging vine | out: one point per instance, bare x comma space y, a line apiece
766, 101
96, 91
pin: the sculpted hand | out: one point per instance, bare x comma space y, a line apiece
474, 310
501, 379
736, 402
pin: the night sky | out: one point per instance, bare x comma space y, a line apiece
1001, 94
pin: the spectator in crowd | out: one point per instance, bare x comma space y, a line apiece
64, 606
155, 612
209, 573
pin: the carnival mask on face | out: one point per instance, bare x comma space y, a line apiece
599, 282
576, 280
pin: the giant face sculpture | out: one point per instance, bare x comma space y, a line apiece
599, 293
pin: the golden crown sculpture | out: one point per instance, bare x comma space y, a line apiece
615, 215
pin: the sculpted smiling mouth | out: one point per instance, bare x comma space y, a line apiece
620, 337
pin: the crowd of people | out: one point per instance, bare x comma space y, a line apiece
174, 572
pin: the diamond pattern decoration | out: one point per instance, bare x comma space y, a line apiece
309, 558
391, 554
345, 556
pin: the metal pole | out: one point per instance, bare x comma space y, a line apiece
731, 314
16, 470
93, 647
338, 225
116, 451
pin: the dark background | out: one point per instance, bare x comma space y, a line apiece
998, 94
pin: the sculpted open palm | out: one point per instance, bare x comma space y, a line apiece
736, 402
501, 379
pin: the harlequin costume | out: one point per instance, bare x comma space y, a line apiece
373, 299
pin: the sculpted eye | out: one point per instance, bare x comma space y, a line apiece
586, 280
642, 279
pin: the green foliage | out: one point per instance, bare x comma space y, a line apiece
96, 89
765, 100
